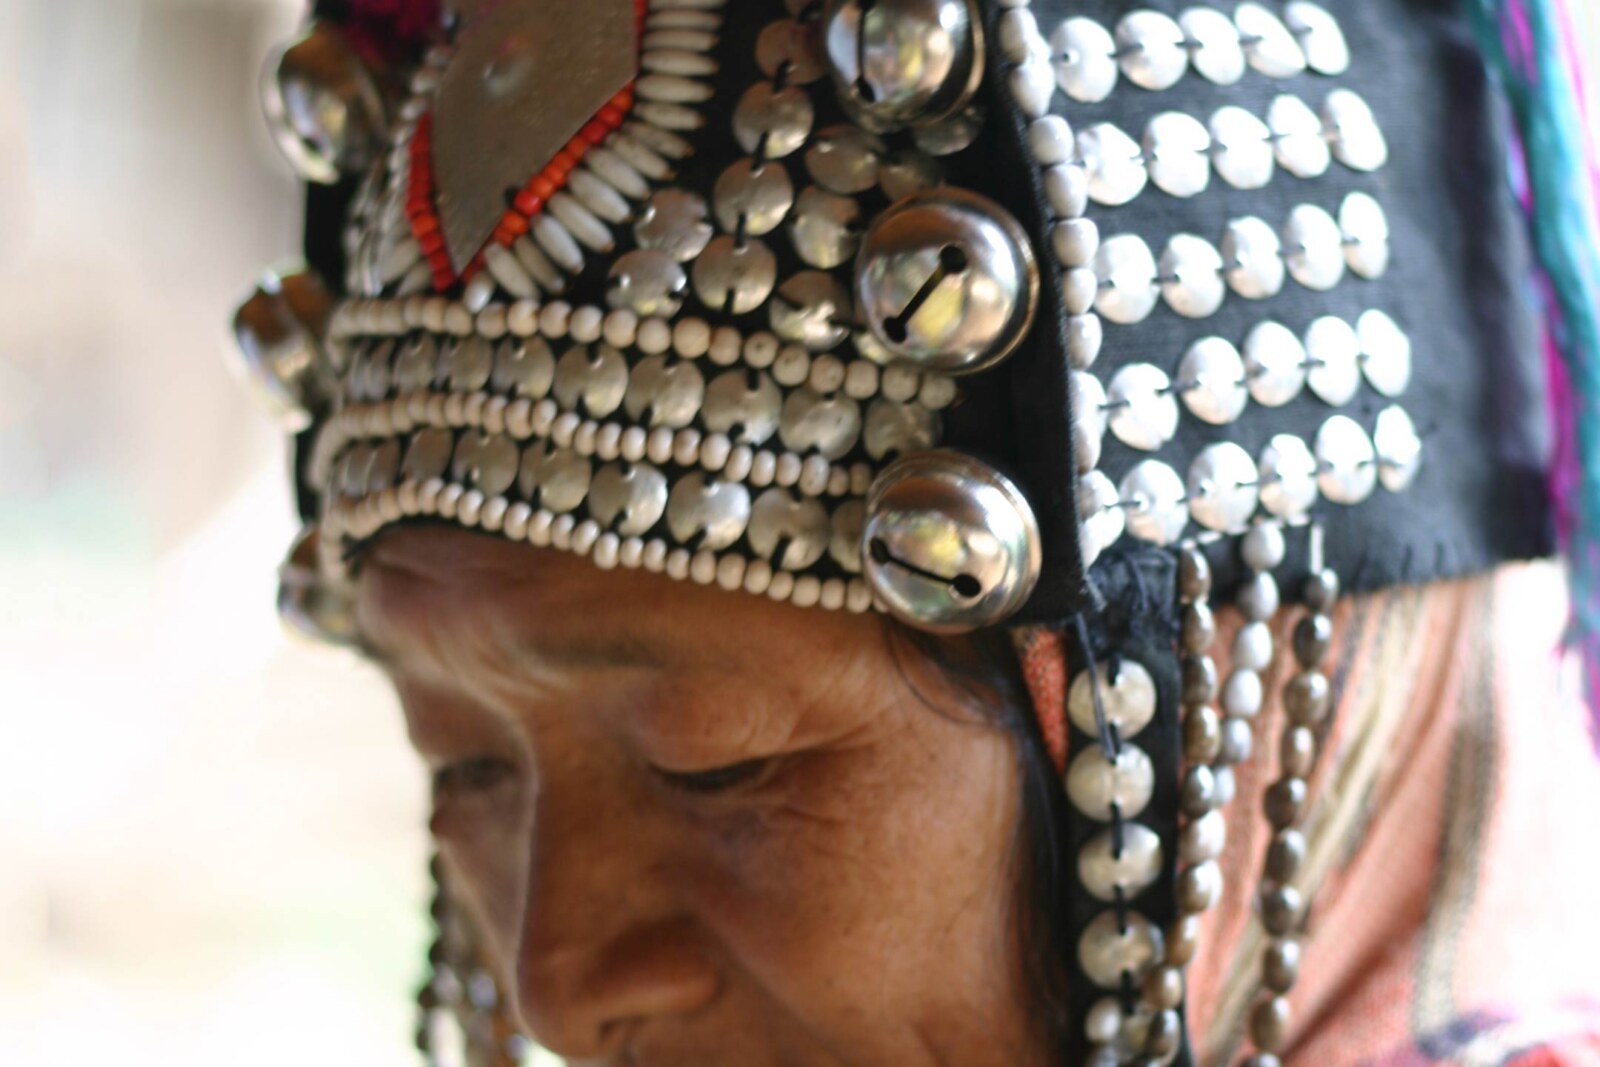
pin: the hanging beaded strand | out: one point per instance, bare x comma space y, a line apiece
461, 1016
1306, 700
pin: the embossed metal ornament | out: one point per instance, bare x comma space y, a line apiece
525, 77
278, 329
323, 106
950, 543
946, 279
899, 62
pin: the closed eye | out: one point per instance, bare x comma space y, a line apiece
718, 779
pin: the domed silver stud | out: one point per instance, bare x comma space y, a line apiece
647, 281
825, 227
845, 159
946, 280
903, 62
311, 602
950, 544
323, 106
1129, 861
279, 329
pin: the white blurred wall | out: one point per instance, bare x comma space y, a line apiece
211, 844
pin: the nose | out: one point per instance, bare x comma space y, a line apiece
605, 949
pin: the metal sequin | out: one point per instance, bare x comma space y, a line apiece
771, 123
703, 512
1241, 148
1365, 228
1298, 139
1334, 353
1214, 47
1268, 44
825, 227
555, 479
1110, 947
1100, 515
1275, 364
1114, 163
1347, 464
1177, 150
800, 527
472, 364
813, 309
744, 404
849, 521
827, 425
1127, 273
1211, 379
1358, 143
845, 159
1151, 49
894, 429
415, 366
487, 462
1191, 276
675, 222
629, 498
1096, 785
664, 392
751, 197
1085, 59
1313, 247
523, 368
1399, 449
428, 455
1154, 497
1254, 258
1320, 37
792, 47
595, 377
1385, 353
1288, 473
1126, 697
733, 278
1143, 409
1223, 487
905, 172
647, 281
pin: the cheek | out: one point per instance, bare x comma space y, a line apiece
878, 889
485, 867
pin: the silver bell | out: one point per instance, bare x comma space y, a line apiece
950, 544
324, 106
279, 329
311, 603
903, 62
946, 281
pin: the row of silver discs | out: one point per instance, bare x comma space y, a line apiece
1178, 153
700, 510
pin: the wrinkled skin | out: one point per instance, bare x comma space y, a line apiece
700, 828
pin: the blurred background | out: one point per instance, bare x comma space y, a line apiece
211, 843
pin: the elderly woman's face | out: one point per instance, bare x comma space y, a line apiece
700, 828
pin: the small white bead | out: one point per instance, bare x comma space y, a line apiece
691, 337
703, 567
762, 468
539, 528
807, 591
605, 551
788, 469
833, 591
634, 441
584, 440
714, 451
738, 466
493, 516
554, 319
858, 597
516, 522
659, 445
1031, 84
757, 576
412, 312
585, 324
561, 532
686, 448
726, 345
457, 319
678, 564
455, 410
781, 587
760, 349
584, 536
433, 314
938, 392
494, 415
861, 476
861, 380
519, 418
827, 374
900, 384
654, 337
544, 414
838, 481
631, 555
409, 504
449, 500
1051, 140
1017, 26
492, 322
792, 366
620, 328
655, 555
608, 442
523, 318
565, 428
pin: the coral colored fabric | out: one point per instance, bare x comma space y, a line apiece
1455, 840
